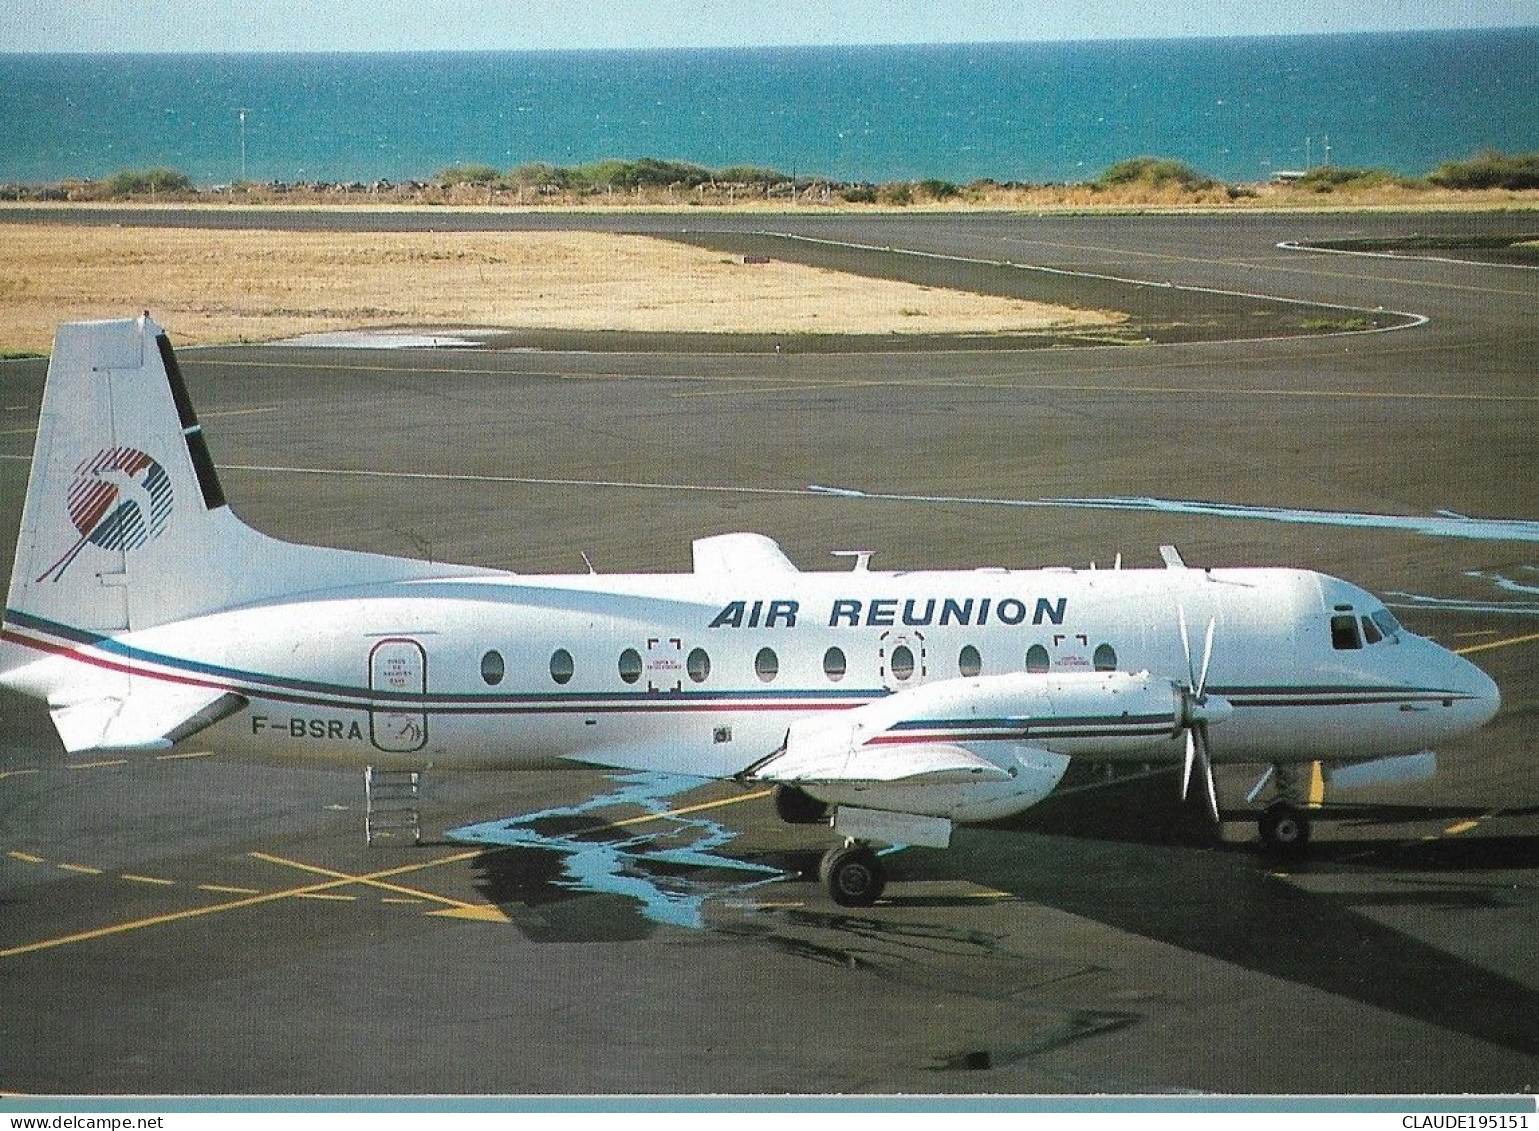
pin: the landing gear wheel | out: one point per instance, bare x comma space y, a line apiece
797, 807
853, 875
1284, 830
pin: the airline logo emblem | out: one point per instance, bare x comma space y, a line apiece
119, 499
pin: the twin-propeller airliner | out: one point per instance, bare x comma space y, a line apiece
893, 705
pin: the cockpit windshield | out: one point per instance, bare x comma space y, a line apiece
1387, 624
1349, 631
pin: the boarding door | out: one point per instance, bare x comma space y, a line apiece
398, 681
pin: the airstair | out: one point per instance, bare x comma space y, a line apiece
391, 805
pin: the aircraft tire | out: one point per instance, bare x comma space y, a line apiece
853, 874
796, 807
1284, 830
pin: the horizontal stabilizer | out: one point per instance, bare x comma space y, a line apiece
155, 718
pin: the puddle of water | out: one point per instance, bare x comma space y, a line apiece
653, 865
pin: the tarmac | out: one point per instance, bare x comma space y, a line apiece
194, 924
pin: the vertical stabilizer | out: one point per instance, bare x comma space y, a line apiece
125, 525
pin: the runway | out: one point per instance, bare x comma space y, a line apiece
194, 924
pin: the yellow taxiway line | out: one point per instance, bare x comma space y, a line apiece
456, 909
1469, 649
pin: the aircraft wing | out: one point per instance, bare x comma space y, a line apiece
831, 762
152, 716
933, 734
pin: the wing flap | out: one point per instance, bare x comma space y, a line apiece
929, 763
150, 718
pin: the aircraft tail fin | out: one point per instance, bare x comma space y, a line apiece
125, 524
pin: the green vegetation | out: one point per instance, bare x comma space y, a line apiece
468, 175
1329, 178
938, 190
1489, 170
134, 182
1153, 172
1157, 181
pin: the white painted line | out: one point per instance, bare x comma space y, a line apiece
1416, 319
1295, 245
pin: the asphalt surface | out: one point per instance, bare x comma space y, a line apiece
197, 924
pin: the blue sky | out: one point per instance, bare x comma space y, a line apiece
396, 25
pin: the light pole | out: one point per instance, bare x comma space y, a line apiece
242, 111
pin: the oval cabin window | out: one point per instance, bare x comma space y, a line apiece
561, 666
492, 669
834, 666
698, 665
766, 665
1105, 658
970, 663
630, 665
1036, 658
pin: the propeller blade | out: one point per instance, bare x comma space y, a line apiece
1191, 757
1207, 773
1186, 645
1207, 655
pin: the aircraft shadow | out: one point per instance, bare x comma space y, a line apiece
1129, 858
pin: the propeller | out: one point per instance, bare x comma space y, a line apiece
1198, 710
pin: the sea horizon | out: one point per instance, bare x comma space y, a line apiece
1234, 108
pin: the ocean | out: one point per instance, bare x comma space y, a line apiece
1236, 109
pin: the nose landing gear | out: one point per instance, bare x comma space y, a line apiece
1284, 825
1284, 830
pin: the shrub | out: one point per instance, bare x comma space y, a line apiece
468, 175
130, 182
938, 190
1489, 170
1156, 172
1329, 178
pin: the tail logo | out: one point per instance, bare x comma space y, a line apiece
119, 499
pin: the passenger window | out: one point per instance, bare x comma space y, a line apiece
1105, 658
1344, 633
561, 666
970, 662
630, 665
834, 665
1371, 631
492, 669
698, 665
1036, 658
766, 665
902, 661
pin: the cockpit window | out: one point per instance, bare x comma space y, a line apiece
1344, 635
1387, 625
1371, 633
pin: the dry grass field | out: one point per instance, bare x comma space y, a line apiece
211, 286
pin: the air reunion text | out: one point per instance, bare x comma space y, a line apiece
915, 612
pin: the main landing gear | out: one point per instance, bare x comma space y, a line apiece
853, 874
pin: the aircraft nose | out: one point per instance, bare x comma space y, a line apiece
1485, 696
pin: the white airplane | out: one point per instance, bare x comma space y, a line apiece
144, 612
